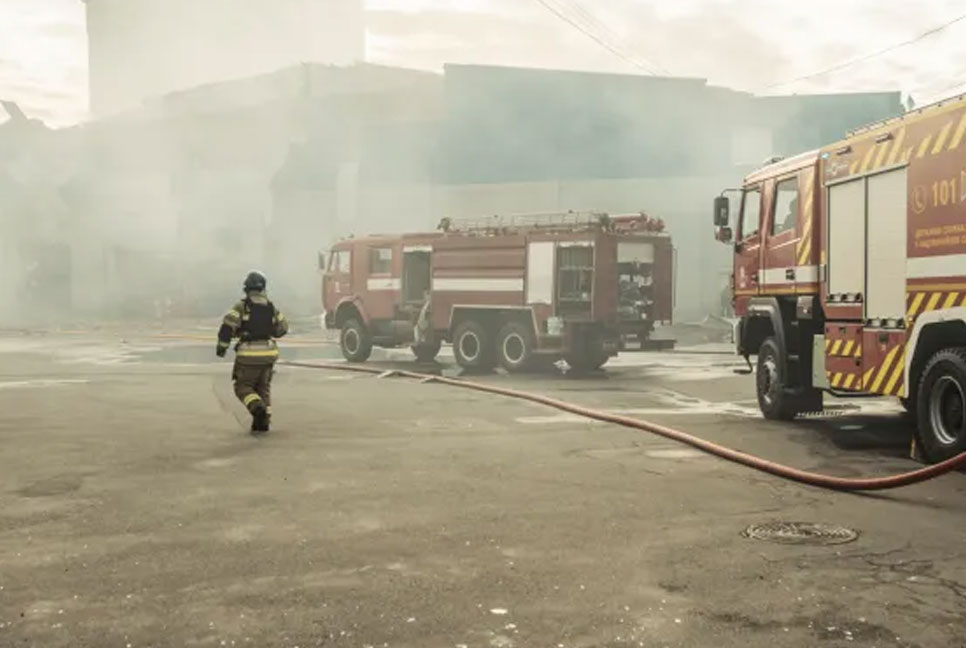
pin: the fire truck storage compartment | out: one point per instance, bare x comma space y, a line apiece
842, 356
540, 259
635, 270
575, 278
886, 240
417, 273
870, 209
846, 228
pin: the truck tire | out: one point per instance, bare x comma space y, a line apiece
427, 351
515, 346
770, 384
471, 346
355, 341
941, 405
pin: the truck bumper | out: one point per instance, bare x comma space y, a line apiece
611, 345
592, 337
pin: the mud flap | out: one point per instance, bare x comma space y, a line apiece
746, 371
915, 453
808, 400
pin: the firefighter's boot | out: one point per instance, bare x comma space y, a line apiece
260, 419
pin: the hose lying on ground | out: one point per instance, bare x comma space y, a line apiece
757, 463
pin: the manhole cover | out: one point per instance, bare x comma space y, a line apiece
801, 533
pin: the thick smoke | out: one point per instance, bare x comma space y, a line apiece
207, 157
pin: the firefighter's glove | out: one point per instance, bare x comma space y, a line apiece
220, 351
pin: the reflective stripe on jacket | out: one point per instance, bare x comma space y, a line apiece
257, 349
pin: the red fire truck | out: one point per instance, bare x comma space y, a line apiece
850, 273
645, 275
515, 291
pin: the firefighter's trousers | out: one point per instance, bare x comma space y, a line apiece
253, 384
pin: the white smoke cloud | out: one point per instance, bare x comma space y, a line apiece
747, 44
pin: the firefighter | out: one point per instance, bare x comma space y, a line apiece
256, 322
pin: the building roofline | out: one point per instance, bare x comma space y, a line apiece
596, 73
868, 93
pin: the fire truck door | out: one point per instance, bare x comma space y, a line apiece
335, 281
748, 244
779, 272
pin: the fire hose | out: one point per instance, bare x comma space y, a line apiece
729, 454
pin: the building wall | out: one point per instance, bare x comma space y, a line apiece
514, 124
145, 48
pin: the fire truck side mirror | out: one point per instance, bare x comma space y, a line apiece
723, 234
322, 261
722, 211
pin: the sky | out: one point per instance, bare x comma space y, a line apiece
753, 45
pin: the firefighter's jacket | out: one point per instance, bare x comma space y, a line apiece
255, 322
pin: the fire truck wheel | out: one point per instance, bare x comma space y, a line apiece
514, 347
770, 384
471, 346
941, 406
355, 341
427, 351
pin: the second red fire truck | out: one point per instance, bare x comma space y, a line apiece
518, 292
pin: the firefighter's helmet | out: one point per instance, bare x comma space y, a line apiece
255, 281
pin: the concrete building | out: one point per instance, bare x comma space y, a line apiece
146, 48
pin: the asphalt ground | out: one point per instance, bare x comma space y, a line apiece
136, 510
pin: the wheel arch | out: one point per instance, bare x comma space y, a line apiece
764, 320
932, 332
347, 309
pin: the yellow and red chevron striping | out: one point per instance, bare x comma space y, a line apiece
886, 378
919, 302
845, 380
804, 247
946, 134
843, 348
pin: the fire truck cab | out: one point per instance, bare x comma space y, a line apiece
849, 273
517, 292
